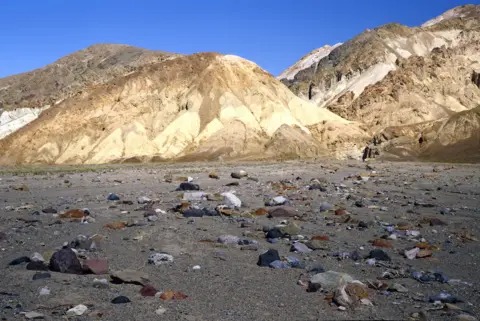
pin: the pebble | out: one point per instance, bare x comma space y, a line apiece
129, 276
32, 315
100, 283
37, 257
160, 311
77, 310
268, 257
113, 197
228, 239
45, 291
40, 276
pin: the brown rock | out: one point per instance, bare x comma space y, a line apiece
213, 175
261, 212
282, 211
115, 225
424, 253
73, 214
382, 243
340, 211
402, 226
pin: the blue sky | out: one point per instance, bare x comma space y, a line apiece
272, 33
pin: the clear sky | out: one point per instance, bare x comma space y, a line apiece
272, 33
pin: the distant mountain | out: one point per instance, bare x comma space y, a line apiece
203, 106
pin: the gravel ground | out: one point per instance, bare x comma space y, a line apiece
230, 285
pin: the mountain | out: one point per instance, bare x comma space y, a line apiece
371, 55
202, 106
24, 96
455, 138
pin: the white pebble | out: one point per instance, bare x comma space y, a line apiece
196, 267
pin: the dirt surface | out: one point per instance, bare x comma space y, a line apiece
230, 285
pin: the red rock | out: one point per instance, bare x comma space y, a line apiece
261, 212
73, 214
340, 211
97, 266
148, 290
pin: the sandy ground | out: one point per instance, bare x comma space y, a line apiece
230, 285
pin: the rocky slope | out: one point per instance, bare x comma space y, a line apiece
201, 106
370, 56
455, 138
23, 97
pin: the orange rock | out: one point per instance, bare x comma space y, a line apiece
422, 246
115, 225
382, 243
320, 237
73, 214
261, 212
172, 295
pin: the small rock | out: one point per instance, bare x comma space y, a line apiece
97, 266
20, 260
32, 315
290, 229
77, 310
268, 257
188, 187
120, 300
49, 210
398, 288
329, 280
300, 247
143, 200
424, 253
45, 291
113, 197
213, 175
340, 211
465, 317
160, 259
379, 255
232, 200
228, 239
37, 266
172, 295
160, 311
239, 174
148, 290
382, 243
129, 276
282, 211
326, 207
100, 283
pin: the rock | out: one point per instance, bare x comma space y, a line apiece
351, 293
239, 174
282, 211
143, 200
160, 259
97, 266
274, 233
318, 187
379, 255
315, 268
396, 287
172, 295
20, 260
44, 291
193, 196
148, 290
424, 253
129, 276
320, 238
326, 207
3, 236
232, 200
277, 264
329, 280
382, 243
188, 187
268, 257
100, 283
77, 310
279, 200
49, 210
228, 239
290, 229
32, 315
300, 247
120, 300
317, 245
21, 188
340, 211
359, 204
233, 184
37, 266
65, 261
41, 276
73, 214
250, 247
213, 175
113, 197
160, 311
411, 254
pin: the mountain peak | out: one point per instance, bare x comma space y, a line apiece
466, 11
